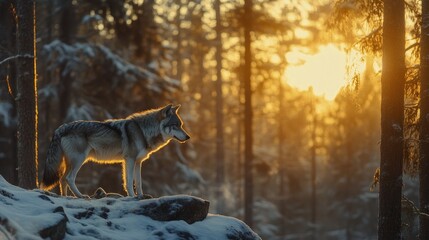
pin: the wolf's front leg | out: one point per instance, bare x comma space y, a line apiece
129, 171
138, 178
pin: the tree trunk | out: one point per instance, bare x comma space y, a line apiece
240, 162
220, 158
8, 162
67, 22
118, 13
313, 170
179, 63
144, 30
26, 98
281, 160
424, 121
248, 139
49, 20
67, 31
392, 118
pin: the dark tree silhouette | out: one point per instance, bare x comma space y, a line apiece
220, 156
424, 121
392, 118
26, 97
66, 35
7, 88
248, 141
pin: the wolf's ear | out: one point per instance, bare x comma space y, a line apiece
166, 110
175, 108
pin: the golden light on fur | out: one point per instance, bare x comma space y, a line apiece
129, 141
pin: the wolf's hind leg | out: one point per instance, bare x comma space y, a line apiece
75, 162
63, 181
63, 186
71, 178
138, 178
128, 176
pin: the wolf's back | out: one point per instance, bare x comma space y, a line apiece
52, 171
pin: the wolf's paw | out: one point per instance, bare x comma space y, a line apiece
144, 196
86, 197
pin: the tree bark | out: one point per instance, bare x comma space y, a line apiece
67, 31
248, 116
67, 22
313, 168
26, 98
220, 158
8, 162
392, 118
179, 63
118, 13
144, 31
281, 159
424, 121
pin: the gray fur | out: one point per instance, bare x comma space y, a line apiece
129, 141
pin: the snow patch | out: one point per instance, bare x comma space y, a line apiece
35, 214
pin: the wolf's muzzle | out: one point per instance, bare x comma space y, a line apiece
182, 140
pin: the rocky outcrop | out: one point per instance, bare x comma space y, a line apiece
43, 215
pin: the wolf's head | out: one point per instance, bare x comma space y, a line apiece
172, 124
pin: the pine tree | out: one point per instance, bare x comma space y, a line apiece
26, 98
424, 119
248, 141
392, 118
220, 156
7, 88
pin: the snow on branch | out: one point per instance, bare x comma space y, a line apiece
98, 79
97, 61
15, 57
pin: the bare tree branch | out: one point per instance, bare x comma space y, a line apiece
15, 57
415, 209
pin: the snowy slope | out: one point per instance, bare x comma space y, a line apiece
36, 215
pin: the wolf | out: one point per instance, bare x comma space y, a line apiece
129, 141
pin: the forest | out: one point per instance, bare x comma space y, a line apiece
308, 119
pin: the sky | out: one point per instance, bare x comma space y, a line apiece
324, 71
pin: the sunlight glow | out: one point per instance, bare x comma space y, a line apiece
324, 71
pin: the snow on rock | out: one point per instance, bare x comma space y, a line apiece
36, 214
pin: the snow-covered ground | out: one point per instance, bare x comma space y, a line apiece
26, 214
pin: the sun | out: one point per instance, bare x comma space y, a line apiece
324, 71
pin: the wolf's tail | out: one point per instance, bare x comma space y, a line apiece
52, 171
